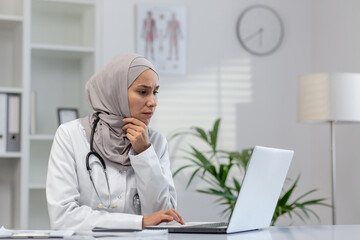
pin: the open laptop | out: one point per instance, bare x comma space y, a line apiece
257, 198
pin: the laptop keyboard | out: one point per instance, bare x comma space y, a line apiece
210, 225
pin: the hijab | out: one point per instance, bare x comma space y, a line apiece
107, 93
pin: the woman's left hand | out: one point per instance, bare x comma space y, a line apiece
162, 216
137, 133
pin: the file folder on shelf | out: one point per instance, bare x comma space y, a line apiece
3, 121
13, 123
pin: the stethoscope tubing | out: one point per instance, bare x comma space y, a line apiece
102, 162
136, 200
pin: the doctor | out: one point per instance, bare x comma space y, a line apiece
109, 169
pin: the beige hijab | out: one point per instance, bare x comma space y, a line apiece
107, 92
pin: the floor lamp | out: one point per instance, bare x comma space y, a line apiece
329, 98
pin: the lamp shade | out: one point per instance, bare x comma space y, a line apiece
329, 97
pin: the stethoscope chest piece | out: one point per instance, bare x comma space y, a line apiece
136, 201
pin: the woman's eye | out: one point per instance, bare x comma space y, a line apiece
142, 92
156, 92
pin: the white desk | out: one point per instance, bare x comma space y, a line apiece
339, 232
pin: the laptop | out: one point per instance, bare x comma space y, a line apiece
257, 198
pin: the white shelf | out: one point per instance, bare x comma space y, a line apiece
41, 137
11, 90
85, 2
62, 48
8, 23
62, 51
11, 18
11, 155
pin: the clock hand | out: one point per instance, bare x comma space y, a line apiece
261, 36
252, 35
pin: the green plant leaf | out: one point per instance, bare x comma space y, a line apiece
196, 163
299, 216
313, 212
283, 200
192, 177
314, 202
236, 184
212, 181
302, 208
305, 194
201, 134
201, 157
182, 168
214, 134
219, 193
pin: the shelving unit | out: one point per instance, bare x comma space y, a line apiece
11, 81
48, 50
63, 57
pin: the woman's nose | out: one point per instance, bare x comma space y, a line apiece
152, 102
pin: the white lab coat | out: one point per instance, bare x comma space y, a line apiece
72, 201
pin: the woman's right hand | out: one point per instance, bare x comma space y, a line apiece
162, 216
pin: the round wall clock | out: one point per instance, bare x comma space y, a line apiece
260, 30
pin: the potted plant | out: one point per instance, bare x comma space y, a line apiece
214, 166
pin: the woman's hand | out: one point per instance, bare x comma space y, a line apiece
162, 216
137, 133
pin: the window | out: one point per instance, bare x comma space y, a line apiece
199, 99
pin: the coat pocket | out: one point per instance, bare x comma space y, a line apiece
135, 204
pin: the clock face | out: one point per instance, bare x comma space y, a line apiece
260, 30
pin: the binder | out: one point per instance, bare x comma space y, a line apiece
13, 123
3, 121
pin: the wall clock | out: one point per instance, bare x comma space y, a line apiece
260, 30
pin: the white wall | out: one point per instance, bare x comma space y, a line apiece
270, 118
337, 49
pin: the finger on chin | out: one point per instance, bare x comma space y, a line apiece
129, 119
132, 120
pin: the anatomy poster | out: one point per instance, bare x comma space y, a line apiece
161, 37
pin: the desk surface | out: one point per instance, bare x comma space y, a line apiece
339, 232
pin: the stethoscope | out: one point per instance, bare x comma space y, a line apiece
102, 162
136, 198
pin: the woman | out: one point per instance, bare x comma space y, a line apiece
137, 188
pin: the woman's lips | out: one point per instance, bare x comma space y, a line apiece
148, 114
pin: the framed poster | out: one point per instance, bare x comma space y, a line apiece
67, 114
161, 37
